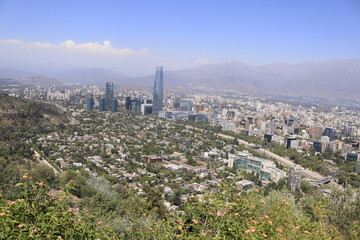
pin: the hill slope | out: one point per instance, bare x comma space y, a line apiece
23, 119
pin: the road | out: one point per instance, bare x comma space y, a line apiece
37, 156
283, 161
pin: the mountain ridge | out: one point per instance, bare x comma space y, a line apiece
332, 78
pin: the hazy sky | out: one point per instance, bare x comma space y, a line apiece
132, 37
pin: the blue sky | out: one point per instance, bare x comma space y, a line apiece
180, 34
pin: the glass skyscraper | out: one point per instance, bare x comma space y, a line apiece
102, 104
109, 94
158, 91
90, 103
114, 105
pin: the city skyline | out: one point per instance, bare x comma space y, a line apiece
254, 33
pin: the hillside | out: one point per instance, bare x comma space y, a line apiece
23, 119
40, 81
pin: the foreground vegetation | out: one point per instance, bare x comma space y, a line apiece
36, 214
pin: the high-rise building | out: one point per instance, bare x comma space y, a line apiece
102, 104
319, 146
158, 91
136, 105
109, 94
128, 103
294, 180
114, 105
329, 132
90, 103
315, 132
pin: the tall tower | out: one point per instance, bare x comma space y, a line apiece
102, 104
158, 91
90, 103
109, 94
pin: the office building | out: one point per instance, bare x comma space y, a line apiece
109, 94
128, 103
90, 103
319, 146
146, 108
185, 105
198, 118
158, 91
289, 122
102, 104
315, 132
294, 179
114, 105
136, 105
352, 156
268, 137
329, 132
266, 169
292, 143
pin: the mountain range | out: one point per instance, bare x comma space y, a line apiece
334, 79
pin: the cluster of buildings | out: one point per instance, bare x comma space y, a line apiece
105, 103
109, 102
265, 168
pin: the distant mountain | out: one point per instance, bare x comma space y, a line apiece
64, 74
93, 76
8, 81
14, 74
336, 78
40, 80
35, 80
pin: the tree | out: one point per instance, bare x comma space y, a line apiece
44, 173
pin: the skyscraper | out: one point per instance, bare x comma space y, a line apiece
90, 103
109, 94
329, 132
102, 104
114, 105
128, 103
158, 91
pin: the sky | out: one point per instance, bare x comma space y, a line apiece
133, 37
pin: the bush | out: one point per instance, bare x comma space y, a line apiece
37, 215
